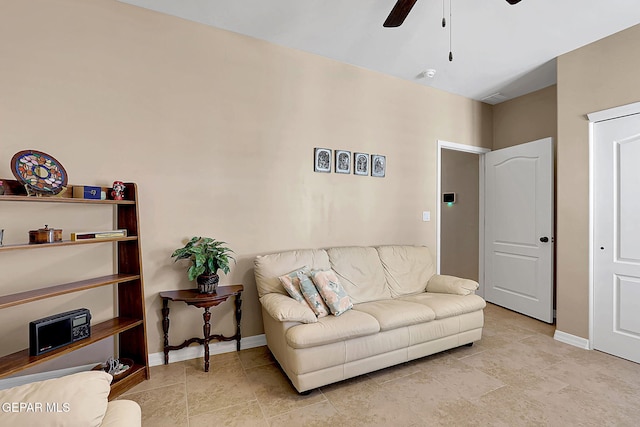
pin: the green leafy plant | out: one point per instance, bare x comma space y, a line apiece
207, 256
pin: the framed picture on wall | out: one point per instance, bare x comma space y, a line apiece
378, 165
322, 160
361, 164
343, 161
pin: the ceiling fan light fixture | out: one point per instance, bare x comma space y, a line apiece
403, 7
399, 13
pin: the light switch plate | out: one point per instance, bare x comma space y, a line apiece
426, 216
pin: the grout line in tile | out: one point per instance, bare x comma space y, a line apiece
255, 396
186, 396
469, 355
298, 408
476, 401
264, 414
332, 405
153, 388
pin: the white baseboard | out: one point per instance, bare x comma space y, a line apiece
194, 352
571, 340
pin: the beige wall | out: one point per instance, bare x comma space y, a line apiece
593, 78
218, 131
526, 118
459, 222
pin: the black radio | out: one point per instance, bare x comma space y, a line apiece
55, 331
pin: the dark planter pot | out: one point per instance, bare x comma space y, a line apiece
207, 284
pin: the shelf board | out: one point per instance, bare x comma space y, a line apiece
52, 291
138, 374
16, 362
65, 243
65, 200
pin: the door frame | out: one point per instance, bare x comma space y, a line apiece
595, 117
480, 151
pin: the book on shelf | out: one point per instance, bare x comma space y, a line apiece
109, 234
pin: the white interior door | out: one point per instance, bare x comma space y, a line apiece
616, 268
519, 228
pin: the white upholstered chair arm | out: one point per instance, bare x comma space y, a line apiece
122, 413
286, 309
444, 284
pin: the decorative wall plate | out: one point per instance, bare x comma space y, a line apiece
39, 172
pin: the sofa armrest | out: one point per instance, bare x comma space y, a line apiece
286, 309
77, 400
122, 413
443, 284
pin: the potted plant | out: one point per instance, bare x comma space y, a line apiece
207, 256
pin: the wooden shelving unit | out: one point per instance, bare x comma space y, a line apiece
129, 328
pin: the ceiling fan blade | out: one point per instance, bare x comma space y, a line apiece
399, 13
513, 1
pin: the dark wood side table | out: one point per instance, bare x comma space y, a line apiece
206, 301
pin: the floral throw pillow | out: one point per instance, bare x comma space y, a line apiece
332, 291
291, 284
312, 296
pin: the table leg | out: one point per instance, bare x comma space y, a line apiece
207, 333
165, 328
238, 302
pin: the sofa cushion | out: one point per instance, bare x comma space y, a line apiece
447, 305
392, 314
311, 294
291, 283
330, 329
269, 267
331, 291
122, 413
360, 272
78, 400
407, 268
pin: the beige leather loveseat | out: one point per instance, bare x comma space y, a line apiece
401, 311
77, 400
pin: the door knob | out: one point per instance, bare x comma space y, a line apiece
544, 239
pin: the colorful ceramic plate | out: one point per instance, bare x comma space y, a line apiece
39, 171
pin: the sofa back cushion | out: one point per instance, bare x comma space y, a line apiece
269, 267
360, 272
407, 268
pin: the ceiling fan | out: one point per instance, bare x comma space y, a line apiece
403, 7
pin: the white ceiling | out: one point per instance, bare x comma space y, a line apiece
497, 48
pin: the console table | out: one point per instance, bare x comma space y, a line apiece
206, 301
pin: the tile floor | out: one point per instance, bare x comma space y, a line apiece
517, 375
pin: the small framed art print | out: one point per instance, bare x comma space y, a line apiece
361, 164
322, 160
378, 165
343, 161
